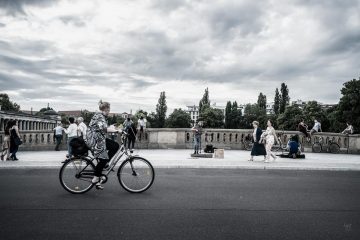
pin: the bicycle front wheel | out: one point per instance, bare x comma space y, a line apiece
334, 148
76, 175
136, 175
316, 147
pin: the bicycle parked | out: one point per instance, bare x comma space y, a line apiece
135, 174
331, 147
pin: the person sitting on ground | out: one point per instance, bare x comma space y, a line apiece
102, 147
349, 129
303, 128
316, 128
293, 146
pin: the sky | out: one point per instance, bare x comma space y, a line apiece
72, 53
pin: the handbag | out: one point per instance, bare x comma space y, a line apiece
17, 140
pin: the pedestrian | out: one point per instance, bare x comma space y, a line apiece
197, 130
126, 126
81, 127
72, 132
58, 135
103, 148
131, 137
316, 128
303, 128
5, 152
271, 138
141, 126
15, 141
349, 129
258, 149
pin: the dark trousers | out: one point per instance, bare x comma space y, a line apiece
14, 148
112, 147
131, 141
58, 139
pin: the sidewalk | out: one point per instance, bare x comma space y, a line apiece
169, 158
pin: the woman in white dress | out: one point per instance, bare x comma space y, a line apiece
271, 138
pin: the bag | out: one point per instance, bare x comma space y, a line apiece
16, 139
78, 146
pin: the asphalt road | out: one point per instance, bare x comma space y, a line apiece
185, 204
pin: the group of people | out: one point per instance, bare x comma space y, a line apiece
11, 141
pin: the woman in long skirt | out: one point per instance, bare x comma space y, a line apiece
258, 148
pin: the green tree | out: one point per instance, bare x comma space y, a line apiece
289, 119
161, 109
212, 118
236, 116
261, 102
87, 115
349, 105
253, 112
284, 99
312, 111
7, 105
151, 120
277, 101
228, 110
178, 119
204, 102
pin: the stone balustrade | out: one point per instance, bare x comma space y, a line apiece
180, 138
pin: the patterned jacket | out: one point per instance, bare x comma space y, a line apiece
96, 136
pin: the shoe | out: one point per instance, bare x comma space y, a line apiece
2, 157
251, 160
267, 161
99, 186
95, 179
15, 159
294, 156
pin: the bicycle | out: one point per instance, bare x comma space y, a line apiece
279, 144
248, 143
332, 147
135, 174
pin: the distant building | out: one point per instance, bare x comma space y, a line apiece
301, 104
194, 112
270, 108
72, 113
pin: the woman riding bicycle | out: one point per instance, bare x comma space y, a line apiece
102, 148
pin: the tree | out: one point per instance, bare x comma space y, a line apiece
277, 101
86, 115
228, 110
212, 118
262, 101
349, 105
284, 99
312, 111
151, 120
7, 105
253, 112
161, 109
289, 119
178, 119
204, 102
236, 116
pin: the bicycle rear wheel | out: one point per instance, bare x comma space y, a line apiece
334, 148
248, 145
136, 175
316, 147
76, 175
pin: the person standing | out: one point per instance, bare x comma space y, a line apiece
6, 143
258, 148
81, 127
72, 132
131, 137
271, 138
103, 148
349, 129
141, 126
316, 128
15, 141
197, 137
58, 135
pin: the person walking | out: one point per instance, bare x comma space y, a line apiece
349, 129
102, 148
15, 141
271, 138
82, 128
72, 132
5, 152
58, 135
197, 137
258, 148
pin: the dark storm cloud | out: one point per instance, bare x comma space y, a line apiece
16, 7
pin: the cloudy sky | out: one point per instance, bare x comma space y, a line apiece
71, 53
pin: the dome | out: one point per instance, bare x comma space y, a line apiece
50, 112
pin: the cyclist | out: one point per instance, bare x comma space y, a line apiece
102, 148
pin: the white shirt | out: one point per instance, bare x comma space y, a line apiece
142, 123
58, 130
72, 130
82, 129
317, 126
